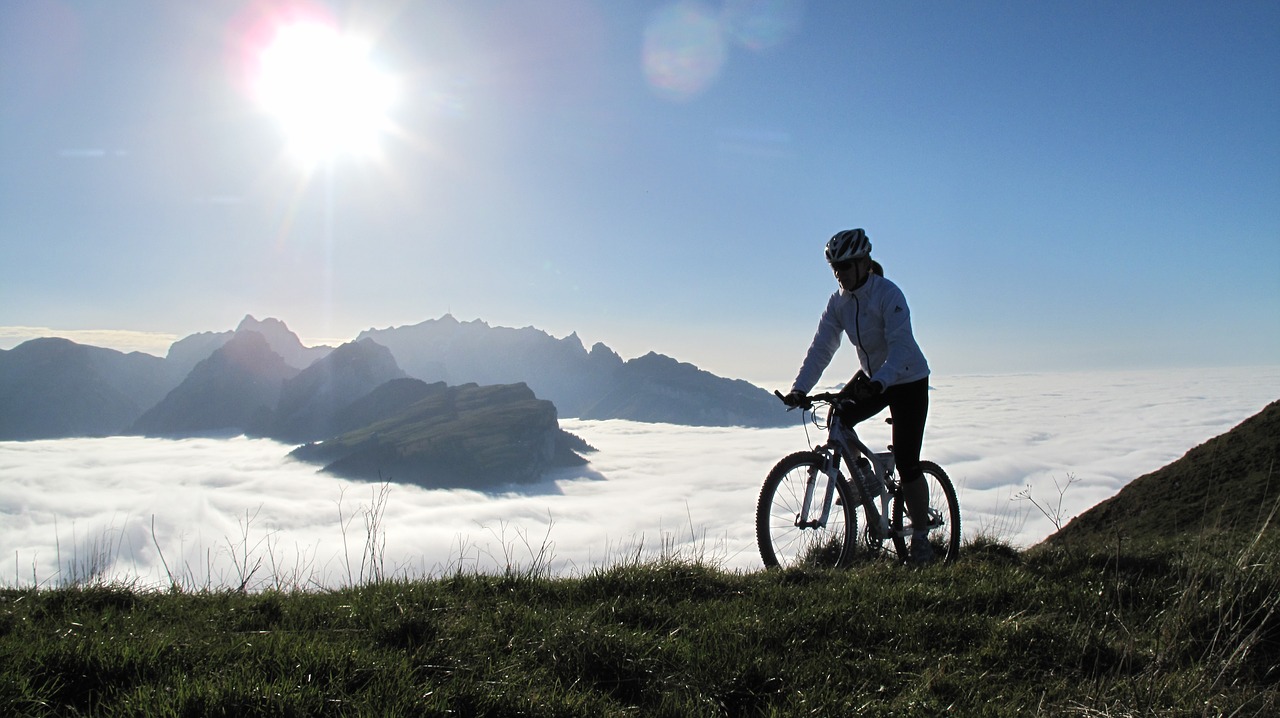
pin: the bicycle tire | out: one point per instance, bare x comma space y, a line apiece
781, 541
942, 500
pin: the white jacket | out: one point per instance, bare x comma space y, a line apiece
876, 319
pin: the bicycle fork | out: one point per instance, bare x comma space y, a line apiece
830, 471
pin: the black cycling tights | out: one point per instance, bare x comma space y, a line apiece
909, 406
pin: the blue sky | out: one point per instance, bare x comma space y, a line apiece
1055, 185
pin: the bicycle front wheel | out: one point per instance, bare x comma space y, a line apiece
794, 525
944, 517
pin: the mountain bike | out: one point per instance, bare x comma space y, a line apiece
808, 510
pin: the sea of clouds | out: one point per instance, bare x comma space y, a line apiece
214, 513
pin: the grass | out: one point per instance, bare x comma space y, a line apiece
1185, 628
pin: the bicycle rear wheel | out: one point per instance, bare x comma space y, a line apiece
783, 541
944, 515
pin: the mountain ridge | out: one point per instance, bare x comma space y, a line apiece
188, 351
595, 384
53, 387
592, 383
235, 389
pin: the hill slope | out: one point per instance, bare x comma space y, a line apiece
1227, 484
51, 388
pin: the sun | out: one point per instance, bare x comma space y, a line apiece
328, 95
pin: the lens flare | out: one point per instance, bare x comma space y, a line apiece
684, 50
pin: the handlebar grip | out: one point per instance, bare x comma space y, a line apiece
783, 398
805, 402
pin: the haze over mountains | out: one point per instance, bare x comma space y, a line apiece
260, 380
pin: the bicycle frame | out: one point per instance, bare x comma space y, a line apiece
843, 442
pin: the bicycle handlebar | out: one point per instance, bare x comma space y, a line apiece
808, 400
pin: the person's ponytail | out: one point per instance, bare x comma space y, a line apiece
876, 268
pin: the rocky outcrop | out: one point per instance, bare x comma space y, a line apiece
476, 437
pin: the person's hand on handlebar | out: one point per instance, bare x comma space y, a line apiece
794, 398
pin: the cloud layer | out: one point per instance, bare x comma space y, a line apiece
219, 513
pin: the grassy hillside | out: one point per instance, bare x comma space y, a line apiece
1229, 484
1167, 622
996, 634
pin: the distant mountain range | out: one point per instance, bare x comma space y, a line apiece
443, 377
595, 384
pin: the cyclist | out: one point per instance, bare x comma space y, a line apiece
872, 312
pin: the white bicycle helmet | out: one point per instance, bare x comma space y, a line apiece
847, 245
